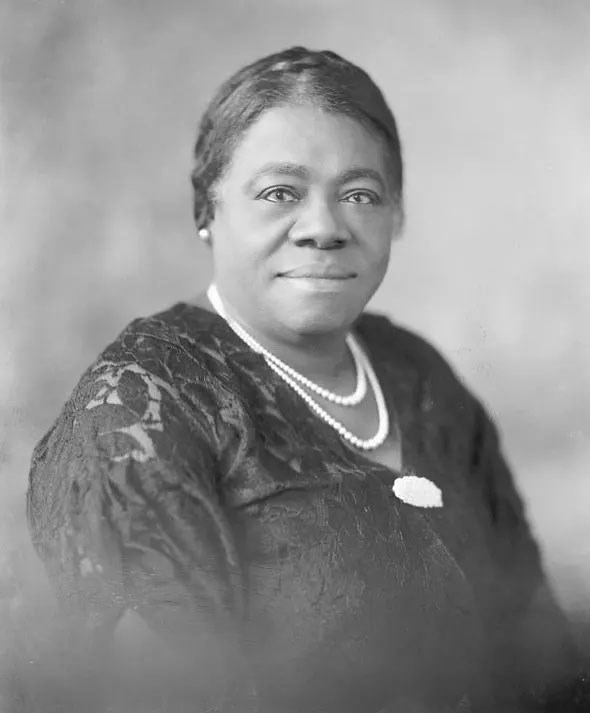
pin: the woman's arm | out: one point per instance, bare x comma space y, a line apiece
125, 512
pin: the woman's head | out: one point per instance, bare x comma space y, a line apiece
298, 163
294, 76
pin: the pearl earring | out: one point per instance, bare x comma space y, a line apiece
204, 234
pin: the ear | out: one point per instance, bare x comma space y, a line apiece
212, 209
399, 221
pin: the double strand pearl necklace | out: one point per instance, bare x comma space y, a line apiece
294, 379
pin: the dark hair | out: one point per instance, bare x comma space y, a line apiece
295, 75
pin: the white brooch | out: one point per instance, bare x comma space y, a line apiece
420, 492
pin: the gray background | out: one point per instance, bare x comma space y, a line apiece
99, 102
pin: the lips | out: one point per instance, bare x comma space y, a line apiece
324, 272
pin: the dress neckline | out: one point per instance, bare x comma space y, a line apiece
336, 444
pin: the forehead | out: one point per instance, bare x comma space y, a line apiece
326, 143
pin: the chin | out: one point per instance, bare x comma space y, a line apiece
314, 321
314, 308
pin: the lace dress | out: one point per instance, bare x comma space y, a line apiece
184, 480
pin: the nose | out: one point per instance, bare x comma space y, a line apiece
319, 224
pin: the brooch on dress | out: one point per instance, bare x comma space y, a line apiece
420, 492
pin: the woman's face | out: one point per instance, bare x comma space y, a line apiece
303, 223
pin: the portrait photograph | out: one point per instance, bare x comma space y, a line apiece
294, 356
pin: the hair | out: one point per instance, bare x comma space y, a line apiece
293, 76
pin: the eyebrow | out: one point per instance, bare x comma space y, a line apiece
353, 173
282, 169
300, 171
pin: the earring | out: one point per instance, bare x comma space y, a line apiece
204, 234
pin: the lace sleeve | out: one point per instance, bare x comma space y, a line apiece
124, 511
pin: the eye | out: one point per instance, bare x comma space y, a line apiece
362, 198
280, 194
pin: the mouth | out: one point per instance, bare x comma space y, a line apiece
319, 272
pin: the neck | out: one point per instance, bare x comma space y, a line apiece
323, 358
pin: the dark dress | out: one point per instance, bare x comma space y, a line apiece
185, 480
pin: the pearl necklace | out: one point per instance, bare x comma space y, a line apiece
292, 377
361, 377
350, 400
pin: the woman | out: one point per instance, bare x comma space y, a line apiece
297, 497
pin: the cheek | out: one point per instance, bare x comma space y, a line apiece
372, 224
376, 241
376, 256
378, 268
266, 226
242, 250
250, 228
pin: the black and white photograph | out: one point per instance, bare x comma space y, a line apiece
294, 356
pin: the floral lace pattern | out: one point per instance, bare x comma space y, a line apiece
111, 373
186, 481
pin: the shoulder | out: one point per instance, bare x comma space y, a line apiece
435, 389
152, 355
150, 339
130, 413
133, 403
409, 350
